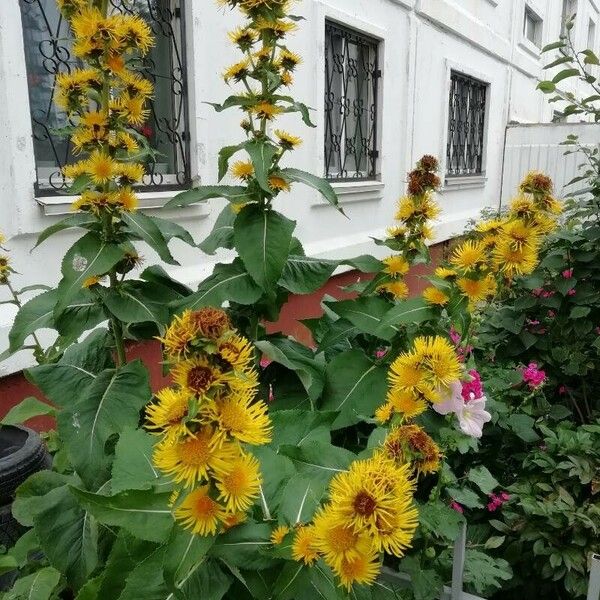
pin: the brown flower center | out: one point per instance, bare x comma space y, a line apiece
200, 379
211, 322
364, 504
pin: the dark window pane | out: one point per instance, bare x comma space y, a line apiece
48, 41
466, 125
351, 85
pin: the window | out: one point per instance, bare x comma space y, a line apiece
532, 27
466, 126
591, 39
48, 41
351, 87
568, 11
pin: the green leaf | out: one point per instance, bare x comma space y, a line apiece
137, 302
415, 310
318, 460
147, 230
235, 194
440, 520
485, 573
546, 86
296, 427
221, 235
579, 312
91, 589
143, 514
244, 546
37, 586
146, 580
76, 220
317, 183
553, 46
83, 313
466, 497
590, 57
110, 404
301, 498
156, 274
68, 535
564, 74
483, 479
354, 387
207, 581
276, 471
522, 425
297, 358
186, 551
88, 257
559, 61
171, 230
304, 275
262, 239
27, 409
35, 314
224, 155
261, 153
229, 282
132, 468
67, 379
294, 577
368, 314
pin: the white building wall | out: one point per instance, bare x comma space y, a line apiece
421, 40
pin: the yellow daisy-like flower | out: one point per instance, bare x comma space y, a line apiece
362, 569
287, 140
238, 352
279, 184
440, 357
266, 110
469, 255
238, 71
475, 290
395, 536
179, 335
396, 265
445, 273
75, 170
289, 60
130, 172
100, 167
131, 108
397, 231
304, 548
199, 376
435, 296
384, 413
407, 372
287, 78
515, 261
126, 199
491, 226
239, 418
168, 412
398, 289
94, 119
411, 445
244, 37
277, 27
406, 209
279, 534
234, 519
242, 170
238, 481
136, 85
522, 207
407, 403
188, 460
200, 513
519, 234
136, 34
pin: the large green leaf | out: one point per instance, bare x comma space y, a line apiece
244, 546
304, 275
171, 230
79, 366
298, 358
296, 427
132, 468
35, 314
37, 586
229, 282
70, 222
368, 314
261, 153
144, 514
83, 313
262, 239
301, 498
138, 302
186, 551
293, 578
415, 310
29, 498
276, 470
225, 154
319, 460
27, 409
88, 257
207, 581
68, 535
318, 183
146, 580
236, 194
157, 275
354, 387
147, 230
221, 235
110, 404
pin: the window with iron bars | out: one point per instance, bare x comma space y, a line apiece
351, 88
466, 126
48, 43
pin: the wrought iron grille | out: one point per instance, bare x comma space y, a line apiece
351, 85
466, 125
48, 42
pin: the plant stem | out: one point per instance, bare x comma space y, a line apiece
39, 351
117, 329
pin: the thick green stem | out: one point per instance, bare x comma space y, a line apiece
117, 330
39, 351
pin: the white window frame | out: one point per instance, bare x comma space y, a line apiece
530, 15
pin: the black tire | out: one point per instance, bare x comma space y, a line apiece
22, 453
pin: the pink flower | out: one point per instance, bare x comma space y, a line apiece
532, 323
533, 376
551, 314
265, 362
271, 394
571, 292
381, 353
496, 501
471, 390
562, 390
455, 336
473, 416
537, 292
548, 294
505, 496
457, 507
453, 402
567, 274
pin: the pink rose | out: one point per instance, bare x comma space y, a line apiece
533, 376
567, 274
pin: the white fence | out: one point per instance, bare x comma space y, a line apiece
538, 147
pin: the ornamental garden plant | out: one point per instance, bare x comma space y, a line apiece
268, 469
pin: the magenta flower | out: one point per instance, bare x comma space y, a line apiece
567, 274
457, 507
572, 292
496, 501
562, 390
471, 390
381, 353
265, 362
455, 336
533, 376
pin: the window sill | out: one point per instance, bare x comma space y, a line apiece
530, 48
466, 182
61, 205
356, 191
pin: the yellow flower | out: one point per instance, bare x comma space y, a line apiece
126, 141
238, 71
469, 255
475, 290
279, 534
304, 548
131, 108
188, 460
238, 352
234, 519
115, 63
238, 481
266, 110
277, 183
237, 417
242, 170
435, 296
136, 34
126, 199
519, 234
287, 78
395, 537
396, 265
536, 182
397, 288
75, 170
492, 226
406, 208
2, 238
199, 376
289, 60
406, 372
244, 37
178, 336
384, 413
523, 208
100, 166
276, 27
130, 172
362, 569
91, 282
200, 513
287, 140
167, 414
136, 85
406, 403
515, 261
440, 357
94, 119
410, 444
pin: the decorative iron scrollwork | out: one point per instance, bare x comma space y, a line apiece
48, 42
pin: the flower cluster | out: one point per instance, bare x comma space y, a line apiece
266, 58
420, 376
415, 211
206, 419
499, 249
533, 376
106, 100
370, 512
497, 501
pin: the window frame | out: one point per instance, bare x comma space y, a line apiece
531, 15
569, 8
152, 195
373, 162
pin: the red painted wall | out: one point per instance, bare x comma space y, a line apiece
15, 388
